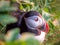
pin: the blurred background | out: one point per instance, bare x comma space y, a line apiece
50, 10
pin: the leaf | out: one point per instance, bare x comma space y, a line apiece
12, 35
6, 19
46, 9
5, 6
32, 41
2, 36
52, 27
4, 3
46, 15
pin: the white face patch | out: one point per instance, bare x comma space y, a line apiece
34, 21
40, 37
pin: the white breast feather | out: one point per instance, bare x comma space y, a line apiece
40, 37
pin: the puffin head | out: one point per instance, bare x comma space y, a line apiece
36, 23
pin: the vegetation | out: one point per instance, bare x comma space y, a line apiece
49, 9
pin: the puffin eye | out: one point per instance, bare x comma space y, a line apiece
36, 19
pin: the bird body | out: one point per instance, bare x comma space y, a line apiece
32, 22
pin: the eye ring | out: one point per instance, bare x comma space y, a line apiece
36, 19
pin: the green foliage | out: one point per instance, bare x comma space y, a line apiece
32, 41
13, 35
29, 41
6, 19
50, 10
25, 6
5, 6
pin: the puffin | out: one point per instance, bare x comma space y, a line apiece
31, 22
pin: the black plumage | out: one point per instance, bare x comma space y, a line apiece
21, 22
